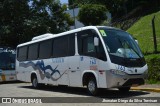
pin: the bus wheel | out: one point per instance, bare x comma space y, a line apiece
35, 82
124, 89
92, 86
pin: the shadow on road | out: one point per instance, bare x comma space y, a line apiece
10, 82
109, 93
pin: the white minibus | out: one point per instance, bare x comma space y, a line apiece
92, 56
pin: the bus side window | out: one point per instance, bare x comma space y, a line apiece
71, 48
64, 46
86, 45
101, 53
45, 49
60, 47
33, 51
22, 53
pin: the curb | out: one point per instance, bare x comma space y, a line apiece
146, 89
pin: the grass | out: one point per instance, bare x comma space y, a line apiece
153, 62
152, 82
151, 56
142, 31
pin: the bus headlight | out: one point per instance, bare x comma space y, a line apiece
117, 72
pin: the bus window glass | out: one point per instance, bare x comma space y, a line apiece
33, 51
7, 61
22, 53
86, 45
60, 47
45, 49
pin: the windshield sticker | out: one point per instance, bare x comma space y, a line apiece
103, 33
131, 55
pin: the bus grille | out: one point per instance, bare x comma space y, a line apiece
130, 82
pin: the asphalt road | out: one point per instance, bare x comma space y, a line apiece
75, 96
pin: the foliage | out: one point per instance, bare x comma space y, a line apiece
22, 19
118, 8
13, 13
114, 6
92, 14
153, 62
142, 30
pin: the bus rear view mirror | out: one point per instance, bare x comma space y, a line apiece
96, 41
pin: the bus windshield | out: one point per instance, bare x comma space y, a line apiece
7, 61
120, 45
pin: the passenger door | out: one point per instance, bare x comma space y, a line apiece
90, 55
87, 51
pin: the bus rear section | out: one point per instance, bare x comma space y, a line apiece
7, 65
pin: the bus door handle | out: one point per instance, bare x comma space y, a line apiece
73, 71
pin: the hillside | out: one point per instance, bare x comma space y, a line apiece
142, 31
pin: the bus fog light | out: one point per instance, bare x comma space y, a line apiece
117, 72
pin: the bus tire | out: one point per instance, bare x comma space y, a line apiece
92, 86
35, 82
124, 89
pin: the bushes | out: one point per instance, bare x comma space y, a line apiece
153, 70
92, 14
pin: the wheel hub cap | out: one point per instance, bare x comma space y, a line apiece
91, 86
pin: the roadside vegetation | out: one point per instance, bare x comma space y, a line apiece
153, 62
142, 31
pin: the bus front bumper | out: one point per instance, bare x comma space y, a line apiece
116, 81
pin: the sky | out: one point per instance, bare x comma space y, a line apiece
64, 1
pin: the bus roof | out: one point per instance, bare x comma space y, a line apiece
49, 35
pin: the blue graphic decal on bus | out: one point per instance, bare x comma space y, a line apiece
39, 65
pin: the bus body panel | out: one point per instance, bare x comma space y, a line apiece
74, 71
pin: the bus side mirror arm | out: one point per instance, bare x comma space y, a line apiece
136, 41
96, 41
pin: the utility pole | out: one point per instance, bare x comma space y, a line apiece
154, 35
74, 16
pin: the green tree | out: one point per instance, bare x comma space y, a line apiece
78, 3
49, 17
92, 14
20, 20
119, 8
12, 16
116, 7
